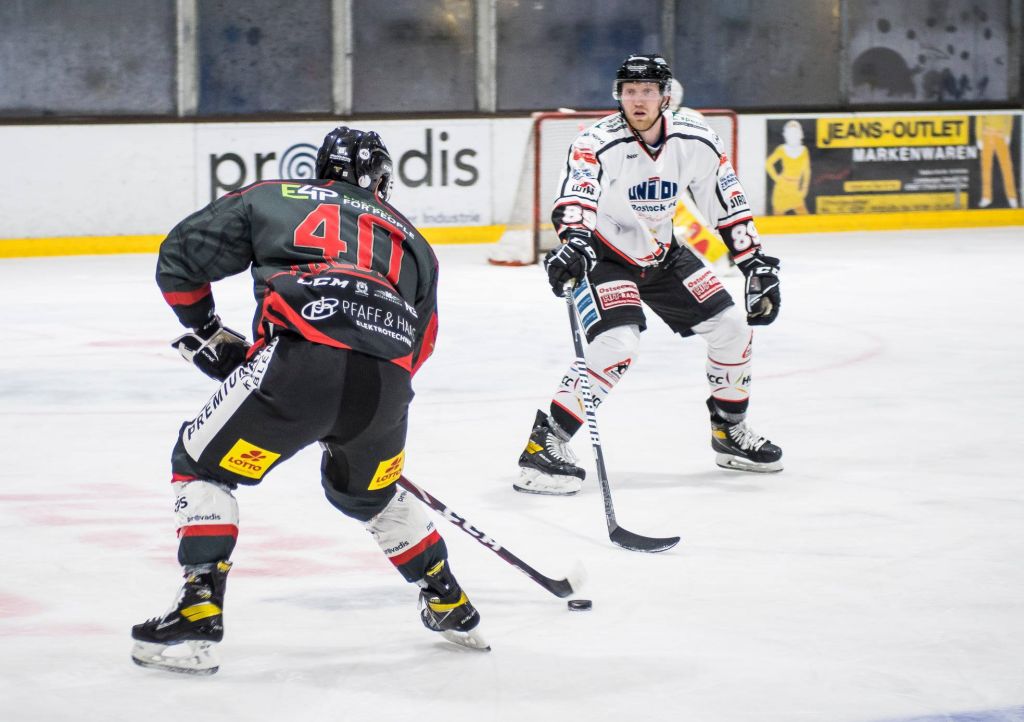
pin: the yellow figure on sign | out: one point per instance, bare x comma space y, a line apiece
993, 136
794, 179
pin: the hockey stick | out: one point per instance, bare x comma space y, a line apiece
558, 587
619, 536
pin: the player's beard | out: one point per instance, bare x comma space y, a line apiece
642, 129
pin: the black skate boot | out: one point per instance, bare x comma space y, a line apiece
445, 608
739, 447
547, 464
182, 639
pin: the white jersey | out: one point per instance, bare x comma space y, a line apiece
627, 192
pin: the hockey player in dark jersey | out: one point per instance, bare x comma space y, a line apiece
347, 292
623, 179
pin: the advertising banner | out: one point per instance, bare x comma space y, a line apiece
442, 167
892, 163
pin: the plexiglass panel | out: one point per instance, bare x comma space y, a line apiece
564, 53
953, 52
262, 56
413, 56
751, 54
115, 57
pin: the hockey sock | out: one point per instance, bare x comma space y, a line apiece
407, 537
729, 342
207, 517
609, 357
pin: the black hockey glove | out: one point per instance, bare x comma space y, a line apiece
572, 260
761, 294
213, 349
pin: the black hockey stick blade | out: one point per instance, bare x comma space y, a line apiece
638, 543
572, 583
559, 587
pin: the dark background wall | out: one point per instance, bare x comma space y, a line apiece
224, 58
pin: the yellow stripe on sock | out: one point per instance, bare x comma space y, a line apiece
438, 607
200, 611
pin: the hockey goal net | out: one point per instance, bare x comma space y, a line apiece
528, 233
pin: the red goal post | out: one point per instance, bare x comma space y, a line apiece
528, 231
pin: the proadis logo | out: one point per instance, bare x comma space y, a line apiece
433, 162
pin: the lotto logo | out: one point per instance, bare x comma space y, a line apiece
388, 471
618, 293
247, 459
703, 284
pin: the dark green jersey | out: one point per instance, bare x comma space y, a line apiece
303, 228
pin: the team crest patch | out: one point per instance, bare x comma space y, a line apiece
703, 284
247, 459
616, 370
618, 293
388, 471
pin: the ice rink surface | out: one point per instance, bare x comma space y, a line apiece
880, 577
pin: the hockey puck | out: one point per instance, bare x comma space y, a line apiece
580, 605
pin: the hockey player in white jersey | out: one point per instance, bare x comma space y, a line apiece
619, 189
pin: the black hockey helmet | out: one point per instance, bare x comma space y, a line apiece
357, 157
643, 69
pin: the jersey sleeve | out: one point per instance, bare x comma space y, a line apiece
721, 199
212, 243
426, 310
579, 187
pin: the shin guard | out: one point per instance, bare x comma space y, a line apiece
609, 357
407, 537
207, 517
729, 342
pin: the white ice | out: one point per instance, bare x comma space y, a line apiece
879, 577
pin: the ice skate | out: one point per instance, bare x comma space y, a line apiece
547, 464
445, 608
183, 639
739, 447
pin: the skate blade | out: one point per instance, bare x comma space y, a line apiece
191, 657
736, 463
470, 640
532, 481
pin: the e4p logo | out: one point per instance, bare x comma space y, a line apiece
247, 459
306, 192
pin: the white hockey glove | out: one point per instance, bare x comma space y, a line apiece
213, 349
572, 260
761, 293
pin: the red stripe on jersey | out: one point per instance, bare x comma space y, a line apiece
187, 298
428, 541
427, 344
625, 258
575, 202
303, 327
567, 410
209, 530
182, 477
318, 182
